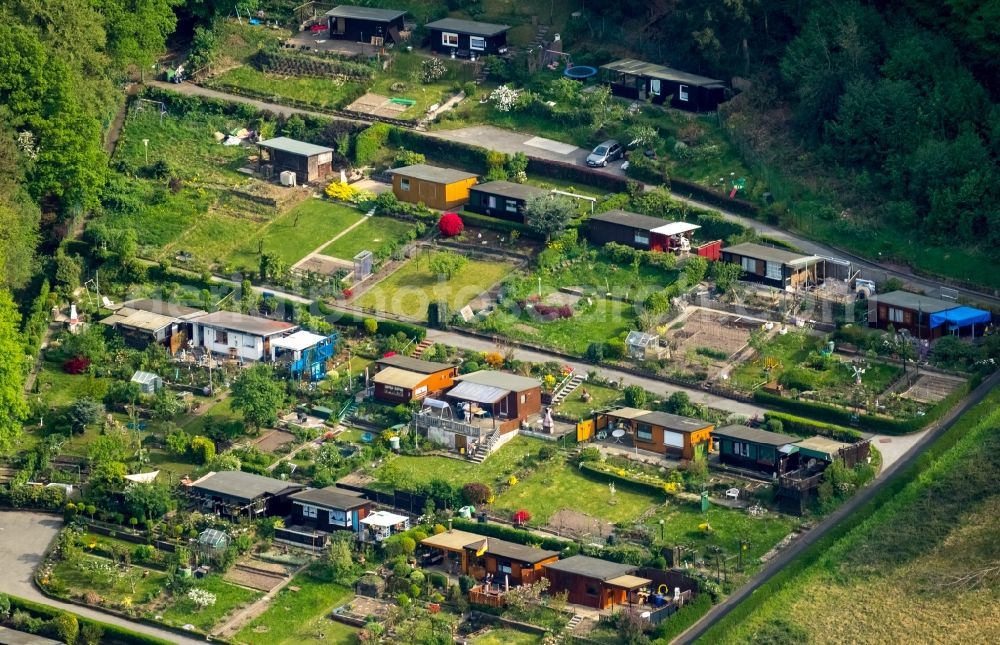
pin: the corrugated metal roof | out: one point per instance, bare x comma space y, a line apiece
292, 146
914, 301
503, 380
235, 321
588, 567
632, 220
652, 70
510, 189
753, 435
769, 253
399, 378
413, 364
476, 393
436, 174
147, 321
365, 13
298, 341
468, 27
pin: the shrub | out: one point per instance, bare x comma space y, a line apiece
551, 312
595, 352
432, 69
341, 191
450, 224
546, 452
407, 158
202, 449
465, 583
371, 326
370, 142
437, 580
76, 365
635, 396
476, 493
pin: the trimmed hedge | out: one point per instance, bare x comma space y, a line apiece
709, 196
461, 154
385, 327
881, 425
579, 174
518, 536
112, 633
802, 426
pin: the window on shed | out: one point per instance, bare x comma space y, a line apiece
749, 265
309, 510
221, 337
895, 315
511, 206
654, 86
641, 237
449, 40
477, 43
404, 184
682, 92
773, 270
504, 566
644, 432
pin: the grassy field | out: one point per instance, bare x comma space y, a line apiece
322, 93
603, 320
506, 637
212, 237
601, 397
296, 233
406, 471
558, 485
220, 412
296, 617
372, 233
409, 290
80, 578
791, 352
57, 388
913, 554
228, 597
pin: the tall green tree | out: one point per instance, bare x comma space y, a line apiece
549, 215
13, 409
257, 395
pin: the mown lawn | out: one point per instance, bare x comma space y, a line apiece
558, 485
212, 237
79, 576
57, 388
296, 617
319, 92
601, 397
405, 472
600, 321
372, 233
409, 290
228, 597
297, 233
220, 412
507, 637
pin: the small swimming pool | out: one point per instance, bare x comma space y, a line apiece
580, 72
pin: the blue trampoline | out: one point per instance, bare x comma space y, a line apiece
580, 72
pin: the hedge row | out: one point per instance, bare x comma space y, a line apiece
645, 488
113, 634
518, 536
268, 60
461, 154
385, 327
709, 196
881, 425
805, 427
578, 174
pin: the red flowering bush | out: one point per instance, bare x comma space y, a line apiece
76, 365
450, 225
550, 312
347, 292
388, 354
521, 517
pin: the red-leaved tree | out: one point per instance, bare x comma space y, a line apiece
450, 224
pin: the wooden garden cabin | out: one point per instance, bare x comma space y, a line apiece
769, 453
636, 79
401, 379
433, 186
308, 161
467, 38
502, 199
366, 24
593, 582
773, 266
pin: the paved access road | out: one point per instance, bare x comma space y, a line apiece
24, 536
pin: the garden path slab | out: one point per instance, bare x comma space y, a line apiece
552, 146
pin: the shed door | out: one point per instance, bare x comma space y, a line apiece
654, 86
493, 201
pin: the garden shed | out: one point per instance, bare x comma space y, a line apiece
435, 187
502, 199
772, 266
149, 383
234, 493
925, 317
640, 231
366, 24
769, 453
636, 79
467, 38
308, 161
401, 379
593, 582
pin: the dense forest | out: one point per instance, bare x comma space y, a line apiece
892, 104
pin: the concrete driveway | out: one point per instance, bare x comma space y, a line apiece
23, 539
509, 142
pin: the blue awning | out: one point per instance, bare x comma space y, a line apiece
960, 317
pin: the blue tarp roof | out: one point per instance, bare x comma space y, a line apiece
960, 317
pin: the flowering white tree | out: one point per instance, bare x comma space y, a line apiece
504, 98
201, 598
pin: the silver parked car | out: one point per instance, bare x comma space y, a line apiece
602, 154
